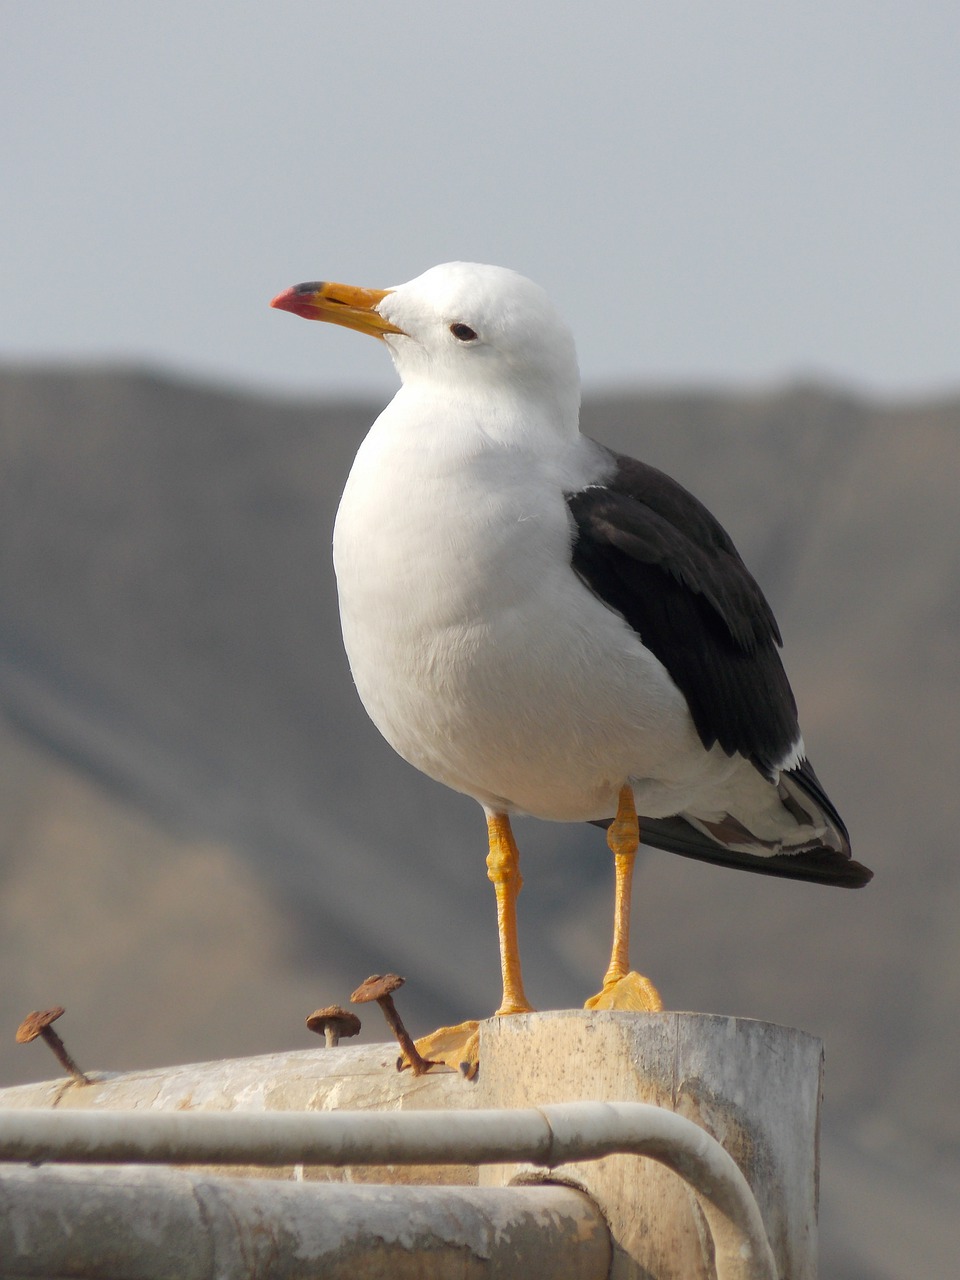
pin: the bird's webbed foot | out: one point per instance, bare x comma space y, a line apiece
631, 991
457, 1047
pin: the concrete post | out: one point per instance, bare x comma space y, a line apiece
753, 1086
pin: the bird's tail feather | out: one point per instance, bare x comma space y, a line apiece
826, 860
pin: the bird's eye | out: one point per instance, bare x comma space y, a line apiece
463, 332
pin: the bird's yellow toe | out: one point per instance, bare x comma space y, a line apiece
633, 991
457, 1047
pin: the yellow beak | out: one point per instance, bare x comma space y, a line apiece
344, 304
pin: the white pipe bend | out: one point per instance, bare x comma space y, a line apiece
590, 1130
547, 1136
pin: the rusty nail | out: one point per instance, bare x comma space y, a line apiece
332, 1023
380, 987
38, 1024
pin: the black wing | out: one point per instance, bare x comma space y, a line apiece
648, 549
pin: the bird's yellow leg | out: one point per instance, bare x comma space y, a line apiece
459, 1046
622, 988
503, 868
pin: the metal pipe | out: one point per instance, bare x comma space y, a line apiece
149, 1224
591, 1130
546, 1137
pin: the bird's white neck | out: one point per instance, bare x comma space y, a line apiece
470, 418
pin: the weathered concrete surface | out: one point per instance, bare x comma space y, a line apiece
134, 1223
348, 1078
753, 1086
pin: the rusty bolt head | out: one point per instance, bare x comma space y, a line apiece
341, 1021
377, 987
34, 1024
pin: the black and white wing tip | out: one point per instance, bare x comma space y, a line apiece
822, 860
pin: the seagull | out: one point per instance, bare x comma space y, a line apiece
553, 628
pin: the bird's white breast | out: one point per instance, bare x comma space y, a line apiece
475, 649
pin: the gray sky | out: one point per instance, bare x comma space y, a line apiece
712, 191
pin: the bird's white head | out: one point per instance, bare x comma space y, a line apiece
463, 329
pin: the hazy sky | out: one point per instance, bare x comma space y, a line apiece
712, 191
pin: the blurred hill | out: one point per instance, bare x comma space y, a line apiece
202, 837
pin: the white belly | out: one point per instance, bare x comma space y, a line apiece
486, 663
